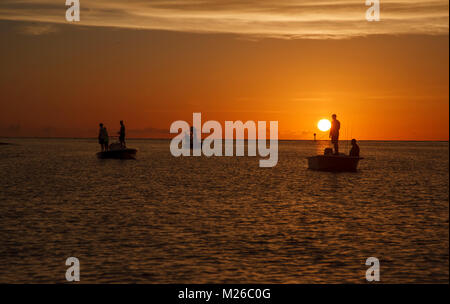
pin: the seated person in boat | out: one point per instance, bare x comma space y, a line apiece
334, 133
355, 149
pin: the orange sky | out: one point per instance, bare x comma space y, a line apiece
62, 80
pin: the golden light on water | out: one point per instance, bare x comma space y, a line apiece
324, 125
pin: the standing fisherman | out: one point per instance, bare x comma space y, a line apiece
334, 133
122, 135
103, 138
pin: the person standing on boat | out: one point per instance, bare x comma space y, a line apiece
334, 133
103, 138
122, 135
100, 137
106, 138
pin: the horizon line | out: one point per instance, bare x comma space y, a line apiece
165, 138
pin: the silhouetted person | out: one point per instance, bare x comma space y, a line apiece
355, 148
103, 138
192, 137
314, 136
334, 133
122, 134
106, 138
100, 139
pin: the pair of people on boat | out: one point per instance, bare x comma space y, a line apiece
103, 138
334, 135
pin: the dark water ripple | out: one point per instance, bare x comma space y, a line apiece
162, 219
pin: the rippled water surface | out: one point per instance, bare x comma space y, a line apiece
162, 219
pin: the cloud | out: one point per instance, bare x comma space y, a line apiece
38, 29
270, 18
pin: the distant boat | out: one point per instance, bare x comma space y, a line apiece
127, 153
334, 163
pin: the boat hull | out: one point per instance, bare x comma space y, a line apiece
118, 154
333, 163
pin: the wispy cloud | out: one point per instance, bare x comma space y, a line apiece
269, 18
38, 29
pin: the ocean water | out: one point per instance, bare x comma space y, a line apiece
161, 219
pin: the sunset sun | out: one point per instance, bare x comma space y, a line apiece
324, 125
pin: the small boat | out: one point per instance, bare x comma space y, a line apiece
126, 153
334, 163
